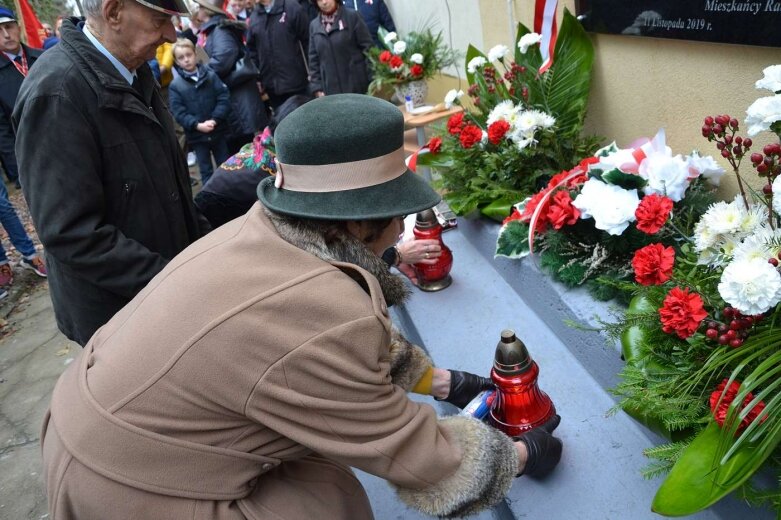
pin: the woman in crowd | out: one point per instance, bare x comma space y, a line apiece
247, 391
338, 41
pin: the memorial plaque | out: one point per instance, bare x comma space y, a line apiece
721, 21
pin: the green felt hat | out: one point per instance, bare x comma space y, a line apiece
341, 157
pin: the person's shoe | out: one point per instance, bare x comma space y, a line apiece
36, 264
6, 275
191, 159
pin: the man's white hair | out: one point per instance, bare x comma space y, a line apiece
92, 8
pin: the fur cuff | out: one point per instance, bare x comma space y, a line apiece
489, 464
408, 362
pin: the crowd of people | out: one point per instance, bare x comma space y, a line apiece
238, 351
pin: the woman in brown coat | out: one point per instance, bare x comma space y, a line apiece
260, 364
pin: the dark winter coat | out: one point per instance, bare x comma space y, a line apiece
106, 182
337, 60
193, 102
278, 43
225, 47
375, 13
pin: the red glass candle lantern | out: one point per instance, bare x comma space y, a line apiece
434, 277
519, 405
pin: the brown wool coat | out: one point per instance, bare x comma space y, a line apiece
240, 384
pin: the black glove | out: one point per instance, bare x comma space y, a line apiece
465, 386
543, 448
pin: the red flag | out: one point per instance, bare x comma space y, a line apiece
30, 24
545, 26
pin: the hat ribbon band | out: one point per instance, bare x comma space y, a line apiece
321, 178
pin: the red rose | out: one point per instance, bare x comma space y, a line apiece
470, 135
496, 131
652, 213
455, 123
434, 144
416, 70
515, 215
719, 409
396, 62
385, 56
653, 264
681, 312
561, 211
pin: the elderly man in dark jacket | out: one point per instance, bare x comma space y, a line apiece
278, 44
102, 172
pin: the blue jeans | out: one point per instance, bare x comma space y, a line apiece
203, 153
13, 227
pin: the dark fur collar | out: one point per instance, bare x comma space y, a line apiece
309, 235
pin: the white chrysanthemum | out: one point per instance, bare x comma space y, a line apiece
753, 219
704, 238
665, 175
475, 63
777, 195
505, 110
525, 121
527, 40
497, 52
762, 113
751, 286
705, 166
723, 218
451, 97
759, 245
728, 245
772, 79
416, 58
390, 37
611, 206
521, 143
399, 47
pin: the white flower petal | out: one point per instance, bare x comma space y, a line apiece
752, 286
399, 47
390, 37
416, 58
475, 63
762, 113
527, 40
611, 206
497, 52
772, 79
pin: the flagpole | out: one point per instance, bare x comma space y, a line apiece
20, 21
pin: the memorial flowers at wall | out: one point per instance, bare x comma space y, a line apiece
589, 221
523, 127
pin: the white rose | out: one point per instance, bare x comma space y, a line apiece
451, 97
665, 175
416, 58
772, 79
752, 286
527, 40
390, 37
762, 113
475, 63
612, 207
705, 166
497, 52
399, 47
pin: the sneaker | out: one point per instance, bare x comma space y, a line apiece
36, 264
191, 159
6, 275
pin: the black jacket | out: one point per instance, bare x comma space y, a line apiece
193, 102
106, 182
278, 44
337, 60
225, 47
375, 13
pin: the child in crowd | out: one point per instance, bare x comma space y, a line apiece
200, 102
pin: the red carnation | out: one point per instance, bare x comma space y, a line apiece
515, 215
385, 56
416, 70
572, 183
719, 409
653, 264
652, 213
434, 144
455, 123
531, 206
497, 130
396, 62
561, 211
681, 312
470, 135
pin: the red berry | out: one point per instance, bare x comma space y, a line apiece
734, 325
712, 325
723, 340
768, 160
712, 333
756, 158
723, 328
728, 139
776, 148
737, 150
708, 121
767, 189
720, 145
735, 343
725, 153
738, 139
747, 142
767, 149
733, 123
731, 334
773, 261
718, 129
762, 168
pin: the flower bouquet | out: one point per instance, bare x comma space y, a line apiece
702, 336
587, 222
416, 58
526, 125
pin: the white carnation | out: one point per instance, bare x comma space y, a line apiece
762, 113
475, 63
777, 195
527, 40
751, 286
497, 52
390, 37
705, 166
451, 97
399, 47
772, 79
416, 58
665, 175
611, 206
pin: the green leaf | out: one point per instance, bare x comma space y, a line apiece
435, 160
513, 240
627, 181
532, 60
498, 210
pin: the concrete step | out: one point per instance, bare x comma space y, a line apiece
599, 475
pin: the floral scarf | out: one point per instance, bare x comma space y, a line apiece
259, 154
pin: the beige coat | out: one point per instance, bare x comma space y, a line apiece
243, 381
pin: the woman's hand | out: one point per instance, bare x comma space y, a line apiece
419, 251
319, 93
